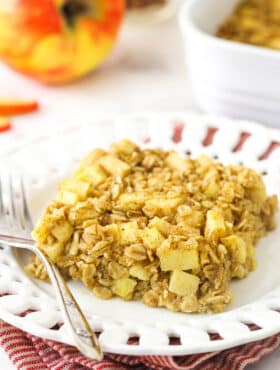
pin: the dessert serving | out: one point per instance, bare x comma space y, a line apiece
152, 225
255, 22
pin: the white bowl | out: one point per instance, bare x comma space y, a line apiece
229, 78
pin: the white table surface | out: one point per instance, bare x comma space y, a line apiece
145, 72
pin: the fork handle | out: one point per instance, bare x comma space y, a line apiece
83, 336
79, 328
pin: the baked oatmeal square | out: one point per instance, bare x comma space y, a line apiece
154, 226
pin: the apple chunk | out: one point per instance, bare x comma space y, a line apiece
5, 124
215, 225
139, 272
114, 166
14, 107
128, 233
183, 283
237, 247
152, 238
178, 259
124, 287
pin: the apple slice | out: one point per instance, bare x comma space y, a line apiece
5, 124
14, 107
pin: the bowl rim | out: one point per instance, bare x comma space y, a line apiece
188, 24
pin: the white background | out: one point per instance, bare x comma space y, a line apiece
146, 72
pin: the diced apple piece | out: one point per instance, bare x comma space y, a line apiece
161, 206
124, 287
92, 157
92, 174
129, 233
62, 232
132, 201
212, 190
250, 251
54, 251
274, 43
79, 187
5, 124
14, 107
124, 146
139, 272
161, 225
248, 23
114, 166
194, 219
41, 231
258, 194
152, 238
204, 160
175, 161
183, 283
67, 197
237, 247
215, 225
178, 259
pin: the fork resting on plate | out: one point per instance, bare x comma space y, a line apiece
15, 231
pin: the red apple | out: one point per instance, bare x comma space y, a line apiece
57, 41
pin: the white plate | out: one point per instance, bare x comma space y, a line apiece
46, 160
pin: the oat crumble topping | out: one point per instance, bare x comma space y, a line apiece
255, 22
151, 225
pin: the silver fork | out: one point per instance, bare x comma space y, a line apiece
15, 229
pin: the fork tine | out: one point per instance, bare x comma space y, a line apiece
15, 219
28, 224
5, 215
5, 200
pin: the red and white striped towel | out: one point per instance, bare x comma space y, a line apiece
28, 352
